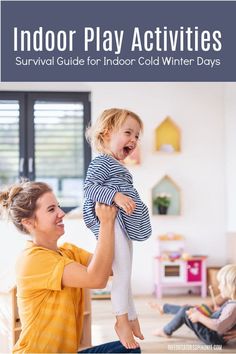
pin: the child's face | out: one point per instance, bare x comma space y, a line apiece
223, 290
123, 141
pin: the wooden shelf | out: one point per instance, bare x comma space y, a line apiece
87, 313
86, 340
16, 324
168, 137
168, 186
17, 329
101, 296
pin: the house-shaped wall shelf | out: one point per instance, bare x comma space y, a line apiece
167, 186
168, 137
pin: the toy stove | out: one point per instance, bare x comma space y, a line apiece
176, 268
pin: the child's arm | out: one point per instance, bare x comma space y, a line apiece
95, 190
105, 195
222, 324
124, 202
195, 316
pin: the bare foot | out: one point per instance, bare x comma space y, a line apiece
124, 332
155, 306
136, 328
161, 333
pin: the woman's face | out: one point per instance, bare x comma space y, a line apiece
48, 220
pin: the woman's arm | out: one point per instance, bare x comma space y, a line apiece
96, 274
89, 260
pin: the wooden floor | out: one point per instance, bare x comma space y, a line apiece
184, 340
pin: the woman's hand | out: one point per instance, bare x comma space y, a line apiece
124, 202
230, 335
105, 213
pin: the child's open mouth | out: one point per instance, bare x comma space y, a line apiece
127, 150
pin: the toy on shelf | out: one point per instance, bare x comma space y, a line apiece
171, 247
103, 293
174, 267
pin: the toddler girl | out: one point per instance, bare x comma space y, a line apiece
115, 135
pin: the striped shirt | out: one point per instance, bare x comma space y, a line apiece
105, 177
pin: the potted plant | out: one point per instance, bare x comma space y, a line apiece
162, 202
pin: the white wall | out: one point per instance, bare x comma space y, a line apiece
230, 168
230, 161
198, 109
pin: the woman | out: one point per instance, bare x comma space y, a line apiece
50, 279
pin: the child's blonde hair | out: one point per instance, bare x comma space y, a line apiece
227, 277
111, 119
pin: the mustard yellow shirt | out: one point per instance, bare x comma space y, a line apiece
51, 316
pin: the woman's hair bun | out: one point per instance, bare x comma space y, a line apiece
13, 192
19, 201
4, 198
7, 195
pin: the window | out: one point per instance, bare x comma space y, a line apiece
42, 137
9, 140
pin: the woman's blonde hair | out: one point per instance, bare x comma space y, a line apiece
19, 201
111, 119
227, 277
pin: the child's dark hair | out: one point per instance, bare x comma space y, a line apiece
19, 201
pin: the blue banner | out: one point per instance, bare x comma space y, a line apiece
118, 41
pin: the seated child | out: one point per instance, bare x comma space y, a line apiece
208, 327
